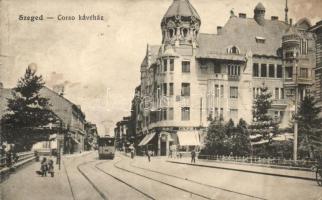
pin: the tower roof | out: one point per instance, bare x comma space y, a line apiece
259, 6
181, 8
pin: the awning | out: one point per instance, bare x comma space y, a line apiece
259, 142
53, 136
146, 139
188, 138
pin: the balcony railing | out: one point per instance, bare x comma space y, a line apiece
279, 101
233, 78
305, 80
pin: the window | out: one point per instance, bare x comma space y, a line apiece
171, 33
221, 91
185, 113
234, 92
164, 89
233, 70
260, 40
288, 72
171, 89
165, 65
185, 66
185, 32
291, 54
282, 93
233, 50
271, 70
171, 65
303, 46
263, 70
304, 73
279, 71
221, 113
185, 91
164, 114
170, 113
216, 91
277, 93
217, 69
255, 70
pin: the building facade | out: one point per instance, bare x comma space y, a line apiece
192, 78
71, 116
317, 29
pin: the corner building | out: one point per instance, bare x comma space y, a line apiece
192, 77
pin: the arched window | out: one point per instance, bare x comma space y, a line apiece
171, 32
185, 32
233, 50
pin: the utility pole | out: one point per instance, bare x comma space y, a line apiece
295, 110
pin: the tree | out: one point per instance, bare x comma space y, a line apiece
310, 127
262, 104
28, 113
227, 139
263, 123
216, 139
241, 142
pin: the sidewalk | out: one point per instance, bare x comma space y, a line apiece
288, 173
26, 184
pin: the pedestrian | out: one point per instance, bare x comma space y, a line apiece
132, 151
2, 155
50, 167
170, 153
9, 157
43, 167
193, 156
147, 154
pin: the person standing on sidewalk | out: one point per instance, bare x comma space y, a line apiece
147, 153
44, 167
51, 167
193, 156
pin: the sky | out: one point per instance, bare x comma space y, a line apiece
98, 62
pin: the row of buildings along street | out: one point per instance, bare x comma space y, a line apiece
71, 132
193, 78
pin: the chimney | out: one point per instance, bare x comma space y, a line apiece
291, 22
219, 30
1, 85
242, 15
274, 18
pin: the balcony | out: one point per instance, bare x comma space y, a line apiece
280, 102
233, 78
306, 81
219, 77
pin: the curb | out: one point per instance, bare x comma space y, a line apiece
247, 171
5, 172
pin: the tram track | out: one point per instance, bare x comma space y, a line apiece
89, 180
197, 182
122, 181
156, 180
84, 175
148, 196
100, 192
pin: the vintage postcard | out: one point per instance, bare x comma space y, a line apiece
160, 99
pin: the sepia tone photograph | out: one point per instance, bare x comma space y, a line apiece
160, 99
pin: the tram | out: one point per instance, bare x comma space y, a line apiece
106, 147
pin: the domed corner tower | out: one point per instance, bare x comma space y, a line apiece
259, 14
180, 24
291, 43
